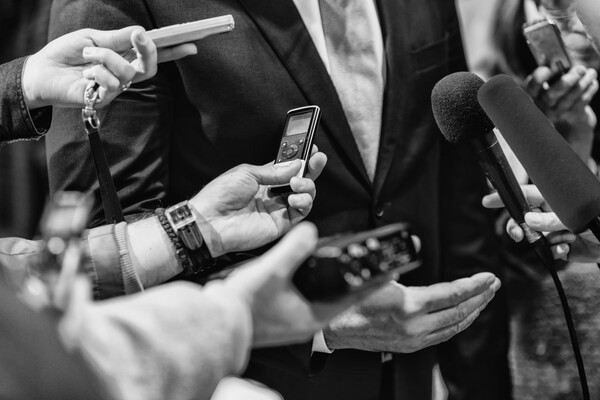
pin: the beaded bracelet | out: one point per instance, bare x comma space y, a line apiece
181, 253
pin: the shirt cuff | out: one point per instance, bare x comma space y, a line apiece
131, 278
319, 344
110, 266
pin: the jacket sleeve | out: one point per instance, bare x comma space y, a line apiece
16, 121
173, 342
135, 127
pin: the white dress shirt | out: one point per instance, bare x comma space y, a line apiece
311, 16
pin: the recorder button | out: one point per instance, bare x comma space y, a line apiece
290, 151
283, 144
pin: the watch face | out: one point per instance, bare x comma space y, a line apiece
180, 214
183, 220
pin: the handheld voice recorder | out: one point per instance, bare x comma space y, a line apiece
355, 262
546, 45
296, 142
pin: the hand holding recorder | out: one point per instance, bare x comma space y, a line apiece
238, 212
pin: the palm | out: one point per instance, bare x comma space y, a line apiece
243, 212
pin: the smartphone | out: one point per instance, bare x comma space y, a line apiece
296, 141
173, 35
355, 262
546, 45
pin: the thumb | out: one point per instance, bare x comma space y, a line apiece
273, 174
293, 248
116, 40
146, 54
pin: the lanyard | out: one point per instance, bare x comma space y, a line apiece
110, 200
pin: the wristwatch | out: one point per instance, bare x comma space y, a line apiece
183, 220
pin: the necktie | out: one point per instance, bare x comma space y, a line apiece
355, 71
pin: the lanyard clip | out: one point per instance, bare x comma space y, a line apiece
90, 98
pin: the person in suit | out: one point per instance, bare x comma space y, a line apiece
228, 106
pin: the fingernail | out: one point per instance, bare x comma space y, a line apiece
88, 51
515, 232
562, 249
140, 36
496, 285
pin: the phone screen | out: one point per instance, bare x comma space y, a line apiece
298, 124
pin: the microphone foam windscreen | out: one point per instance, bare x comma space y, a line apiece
456, 109
565, 181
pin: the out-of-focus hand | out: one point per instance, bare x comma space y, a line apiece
58, 74
565, 245
280, 314
566, 104
589, 14
404, 319
237, 211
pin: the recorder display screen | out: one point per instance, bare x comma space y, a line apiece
298, 124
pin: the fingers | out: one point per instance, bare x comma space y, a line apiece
116, 40
537, 81
447, 333
560, 90
449, 294
514, 230
303, 196
113, 63
272, 174
531, 193
571, 88
293, 248
544, 221
145, 62
455, 316
316, 164
103, 77
492, 200
176, 52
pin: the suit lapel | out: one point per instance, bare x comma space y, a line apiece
282, 26
396, 40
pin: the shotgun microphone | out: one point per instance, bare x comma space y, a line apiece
565, 181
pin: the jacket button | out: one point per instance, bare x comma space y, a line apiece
379, 211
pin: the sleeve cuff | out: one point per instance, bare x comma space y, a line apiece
319, 345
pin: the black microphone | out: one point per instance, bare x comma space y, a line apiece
565, 181
462, 120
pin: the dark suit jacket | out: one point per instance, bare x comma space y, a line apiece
202, 115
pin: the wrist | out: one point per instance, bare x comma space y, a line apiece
211, 237
29, 86
152, 253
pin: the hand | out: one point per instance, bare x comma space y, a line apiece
565, 245
566, 104
404, 319
58, 74
589, 14
280, 314
237, 212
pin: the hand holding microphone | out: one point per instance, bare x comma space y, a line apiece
462, 120
565, 245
